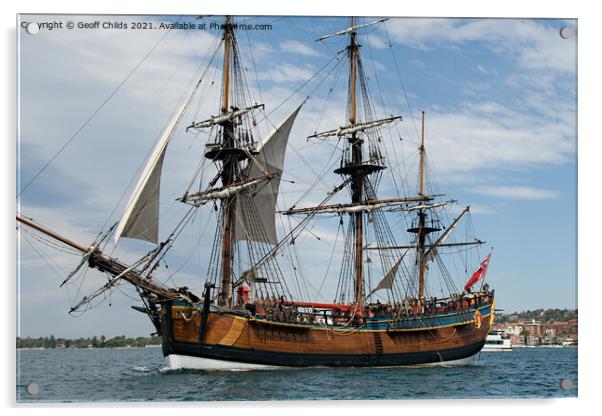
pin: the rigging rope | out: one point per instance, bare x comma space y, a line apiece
401, 80
89, 119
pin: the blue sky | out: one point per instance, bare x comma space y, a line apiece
500, 98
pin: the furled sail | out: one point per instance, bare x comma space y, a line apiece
141, 217
256, 207
351, 29
421, 206
223, 118
201, 198
341, 131
368, 206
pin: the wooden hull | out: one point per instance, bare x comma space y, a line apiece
241, 339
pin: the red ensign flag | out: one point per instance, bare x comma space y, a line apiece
478, 274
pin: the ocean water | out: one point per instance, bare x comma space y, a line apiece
109, 375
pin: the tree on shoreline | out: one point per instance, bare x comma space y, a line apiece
95, 342
542, 315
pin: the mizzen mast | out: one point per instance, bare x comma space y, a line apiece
422, 229
422, 217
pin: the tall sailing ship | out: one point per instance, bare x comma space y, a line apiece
246, 316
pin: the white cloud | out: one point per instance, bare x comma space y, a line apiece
299, 48
534, 45
287, 73
376, 41
517, 192
480, 68
480, 209
490, 135
259, 50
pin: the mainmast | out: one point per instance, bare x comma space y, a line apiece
360, 127
357, 177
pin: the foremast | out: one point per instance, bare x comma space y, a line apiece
228, 174
249, 173
229, 151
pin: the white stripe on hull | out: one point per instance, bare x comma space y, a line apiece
451, 363
180, 362
487, 349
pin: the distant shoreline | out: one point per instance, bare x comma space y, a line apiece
87, 348
121, 342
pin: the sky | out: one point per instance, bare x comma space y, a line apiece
500, 103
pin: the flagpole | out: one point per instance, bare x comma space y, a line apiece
485, 274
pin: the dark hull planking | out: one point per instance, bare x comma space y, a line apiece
228, 337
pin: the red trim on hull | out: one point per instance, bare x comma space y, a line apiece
335, 306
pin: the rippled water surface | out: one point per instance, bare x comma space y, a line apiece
76, 375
